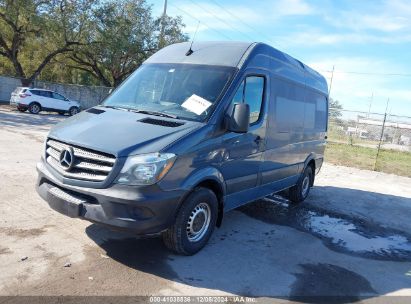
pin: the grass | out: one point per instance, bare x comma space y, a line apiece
389, 161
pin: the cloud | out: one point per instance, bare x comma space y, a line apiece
315, 37
236, 17
387, 22
291, 7
388, 16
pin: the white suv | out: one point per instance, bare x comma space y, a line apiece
36, 100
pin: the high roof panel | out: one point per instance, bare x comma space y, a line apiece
234, 54
209, 53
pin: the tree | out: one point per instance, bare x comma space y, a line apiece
123, 36
169, 31
335, 108
33, 32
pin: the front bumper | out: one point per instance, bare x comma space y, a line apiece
141, 210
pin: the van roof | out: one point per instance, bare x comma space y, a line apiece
208, 53
236, 54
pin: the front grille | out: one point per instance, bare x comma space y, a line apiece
87, 165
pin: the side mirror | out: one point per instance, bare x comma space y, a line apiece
239, 119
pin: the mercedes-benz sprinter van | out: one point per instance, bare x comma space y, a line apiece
193, 133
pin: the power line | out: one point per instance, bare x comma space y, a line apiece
209, 27
262, 34
242, 22
367, 73
221, 20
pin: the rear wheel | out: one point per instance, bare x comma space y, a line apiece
73, 111
194, 223
300, 191
34, 108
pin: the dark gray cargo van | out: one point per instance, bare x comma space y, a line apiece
191, 134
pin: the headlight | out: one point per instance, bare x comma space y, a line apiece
146, 169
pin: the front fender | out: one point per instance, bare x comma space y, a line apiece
207, 174
204, 174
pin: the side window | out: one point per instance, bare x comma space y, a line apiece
239, 95
44, 93
34, 92
321, 114
253, 95
315, 112
289, 114
57, 96
251, 91
290, 107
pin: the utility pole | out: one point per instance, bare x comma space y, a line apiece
331, 82
371, 100
382, 135
386, 107
161, 41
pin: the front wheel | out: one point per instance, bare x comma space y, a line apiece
300, 191
194, 223
73, 111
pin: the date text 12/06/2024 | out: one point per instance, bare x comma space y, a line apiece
201, 299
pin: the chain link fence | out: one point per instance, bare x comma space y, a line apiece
373, 141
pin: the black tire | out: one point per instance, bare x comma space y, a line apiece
300, 191
73, 111
179, 237
34, 108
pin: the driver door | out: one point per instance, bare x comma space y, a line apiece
243, 151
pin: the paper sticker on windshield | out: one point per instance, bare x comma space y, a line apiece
196, 104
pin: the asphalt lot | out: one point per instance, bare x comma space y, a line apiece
352, 238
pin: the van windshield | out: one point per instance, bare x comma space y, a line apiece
186, 91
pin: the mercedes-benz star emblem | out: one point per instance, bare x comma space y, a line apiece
67, 158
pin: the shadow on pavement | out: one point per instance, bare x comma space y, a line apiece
38, 122
271, 248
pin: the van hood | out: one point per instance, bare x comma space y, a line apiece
120, 132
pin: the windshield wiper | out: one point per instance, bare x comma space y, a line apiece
114, 107
154, 113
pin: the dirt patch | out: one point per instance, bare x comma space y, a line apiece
99, 275
23, 233
4, 250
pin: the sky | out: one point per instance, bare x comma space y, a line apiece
362, 36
